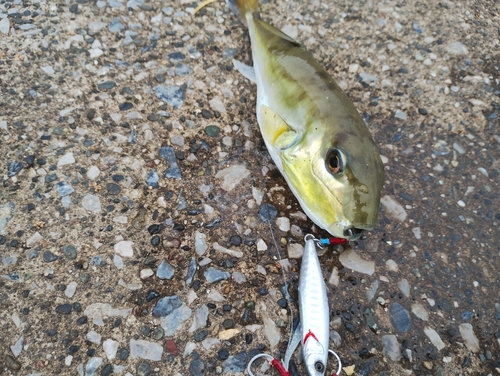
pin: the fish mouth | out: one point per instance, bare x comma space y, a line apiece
353, 233
346, 231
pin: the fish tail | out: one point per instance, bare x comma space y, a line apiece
243, 8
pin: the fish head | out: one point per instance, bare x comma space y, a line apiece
315, 358
337, 180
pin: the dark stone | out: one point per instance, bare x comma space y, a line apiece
206, 114
228, 324
235, 240
51, 332
145, 330
212, 131
268, 212
223, 353
69, 251
91, 114
155, 228
82, 320
176, 56
11, 363
248, 317
106, 85
155, 241
123, 354
367, 368
113, 189
173, 170
49, 256
64, 309
152, 295
235, 363
107, 370
13, 168
143, 369
282, 303
422, 111
400, 318
73, 349
197, 367
467, 316
201, 335
125, 106
30, 160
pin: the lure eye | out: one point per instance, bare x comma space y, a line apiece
335, 162
318, 366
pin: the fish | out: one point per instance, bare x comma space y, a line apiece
312, 130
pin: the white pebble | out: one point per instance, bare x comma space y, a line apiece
239, 277
96, 26
124, 248
118, 261
200, 243
146, 273
110, 348
217, 105
33, 239
400, 115
457, 48
5, 26
434, 338
351, 260
91, 203
145, 350
177, 140
93, 172
70, 289
49, 70
283, 224
404, 286
483, 171
295, 250
66, 159
416, 232
391, 265
393, 209
232, 176
261, 245
94, 337
261, 270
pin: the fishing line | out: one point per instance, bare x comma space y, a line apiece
286, 296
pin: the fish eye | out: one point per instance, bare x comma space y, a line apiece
318, 366
335, 162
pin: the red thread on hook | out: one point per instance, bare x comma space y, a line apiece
280, 368
309, 334
337, 241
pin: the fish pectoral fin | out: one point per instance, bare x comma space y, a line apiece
246, 70
276, 131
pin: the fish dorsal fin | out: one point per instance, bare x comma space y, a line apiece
246, 70
275, 130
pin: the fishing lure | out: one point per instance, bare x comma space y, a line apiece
313, 330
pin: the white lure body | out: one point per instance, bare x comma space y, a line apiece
314, 312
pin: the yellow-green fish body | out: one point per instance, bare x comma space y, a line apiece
313, 132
